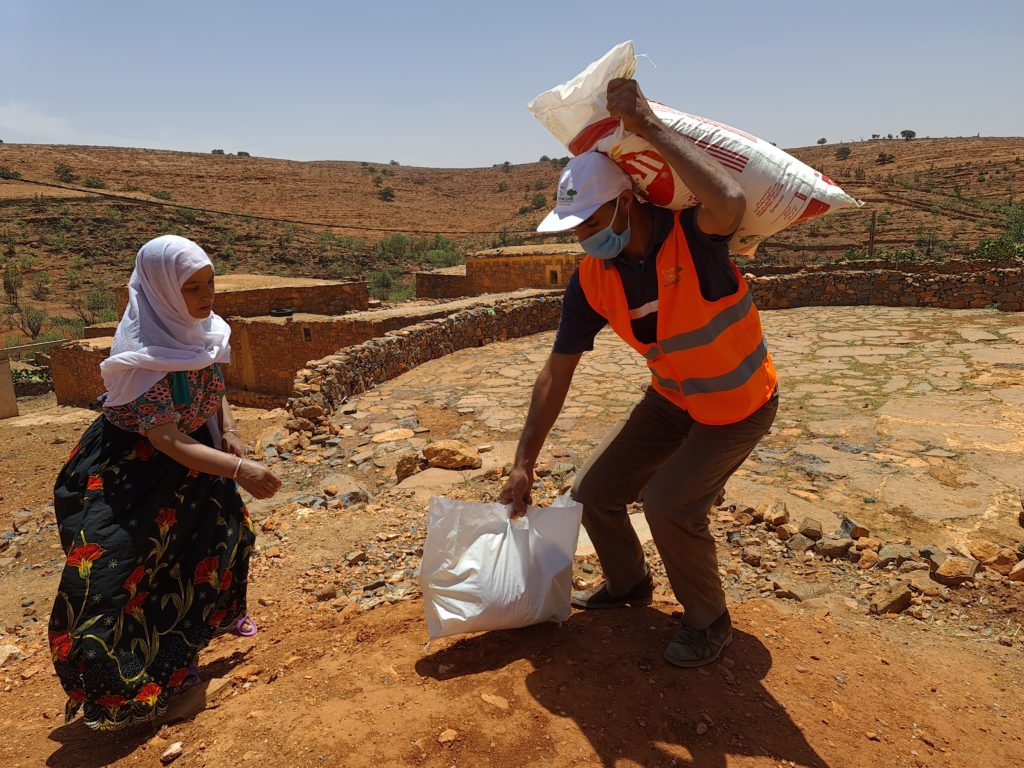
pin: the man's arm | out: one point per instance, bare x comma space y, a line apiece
549, 393
722, 200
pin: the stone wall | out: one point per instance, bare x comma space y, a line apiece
314, 297
324, 384
953, 266
442, 285
1000, 287
503, 269
76, 370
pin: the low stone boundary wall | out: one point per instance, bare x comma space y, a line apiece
329, 298
1001, 288
323, 385
442, 285
951, 267
76, 370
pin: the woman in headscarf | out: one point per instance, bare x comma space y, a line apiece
156, 535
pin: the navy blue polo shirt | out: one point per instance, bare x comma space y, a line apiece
580, 323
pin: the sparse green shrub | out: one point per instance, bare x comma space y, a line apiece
7, 173
97, 306
243, 154
378, 180
216, 151
523, 210
30, 320
40, 285
506, 167
387, 194
13, 282
858, 173
885, 158
161, 195
63, 173
94, 182
538, 201
73, 278
502, 186
842, 153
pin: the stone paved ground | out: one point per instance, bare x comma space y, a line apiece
908, 419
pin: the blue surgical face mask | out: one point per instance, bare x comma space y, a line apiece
607, 244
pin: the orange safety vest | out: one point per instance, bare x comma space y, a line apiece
710, 358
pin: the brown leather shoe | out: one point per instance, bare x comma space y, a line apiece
598, 597
695, 648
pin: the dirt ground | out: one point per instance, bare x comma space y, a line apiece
325, 683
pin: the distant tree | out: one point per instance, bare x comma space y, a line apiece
545, 159
216, 151
63, 173
394, 162
908, 135
30, 320
823, 141
96, 306
876, 136
387, 194
506, 166
243, 154
842, 153
889, 136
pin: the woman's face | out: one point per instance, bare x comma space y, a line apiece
198, 293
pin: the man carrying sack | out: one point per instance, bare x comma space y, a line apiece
664, 282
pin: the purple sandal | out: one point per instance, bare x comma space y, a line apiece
242, 630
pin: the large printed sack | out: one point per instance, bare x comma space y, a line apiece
781, 191
482, 571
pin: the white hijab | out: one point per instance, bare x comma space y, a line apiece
157, 335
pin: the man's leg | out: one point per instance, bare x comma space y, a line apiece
615, 474
677, 502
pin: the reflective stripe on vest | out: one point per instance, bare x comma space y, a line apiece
711, 357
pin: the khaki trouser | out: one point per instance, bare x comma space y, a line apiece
680, 466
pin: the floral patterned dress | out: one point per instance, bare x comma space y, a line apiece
157, 556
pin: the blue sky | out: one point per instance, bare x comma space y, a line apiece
445, 84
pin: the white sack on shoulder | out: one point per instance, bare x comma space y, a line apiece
781, 191
482, 571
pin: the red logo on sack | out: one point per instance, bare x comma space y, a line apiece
651, 173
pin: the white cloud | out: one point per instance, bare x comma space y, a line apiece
23, 122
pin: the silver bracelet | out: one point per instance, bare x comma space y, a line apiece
238, 466
230, 430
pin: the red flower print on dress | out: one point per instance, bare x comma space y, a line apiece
74, 452
143, 450
77, 695
148, 693
206, 572
112, 702
134, 606
147, 408
133, 581
178, 678
225, 580
95, 483
60, 645
165, 520
83, 557
216, 619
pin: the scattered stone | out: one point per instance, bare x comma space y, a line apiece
799, 543
702, 728
923, 583
788, 589
848, 529
866, 542
447, 736
348, 490
833, 547
913, 565
1017, 574
734, 537
22, 520
496, 701
868, 559
752, 556
777, 515
486, 448
787, 531
451, 454
391, 435
999, 559
955, 571
892, 599
409, 464
895, 553
10, 653
811, 528
355, 557
325, 593
172, 753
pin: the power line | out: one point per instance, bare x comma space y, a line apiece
259, 217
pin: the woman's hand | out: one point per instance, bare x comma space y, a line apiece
257, 479
232, 444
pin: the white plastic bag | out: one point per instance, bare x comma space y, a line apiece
483, 571
781, 191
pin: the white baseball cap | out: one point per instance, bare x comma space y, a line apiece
589, 181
